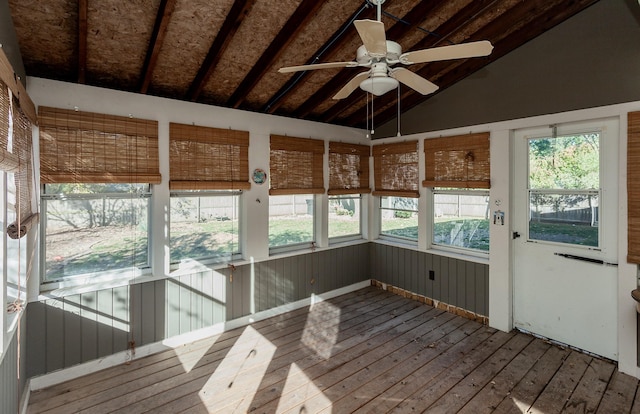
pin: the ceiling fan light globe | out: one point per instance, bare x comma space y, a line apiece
378, 85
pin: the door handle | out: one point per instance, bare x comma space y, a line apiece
515, 235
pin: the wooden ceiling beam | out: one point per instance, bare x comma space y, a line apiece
238, 12
415, 16
155, 43
298, 20
82, 40
560, 12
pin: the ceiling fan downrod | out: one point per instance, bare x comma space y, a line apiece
378, 4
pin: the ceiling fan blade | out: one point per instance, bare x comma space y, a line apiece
351, 86
415, 82
461, 51
328, 65
373, 37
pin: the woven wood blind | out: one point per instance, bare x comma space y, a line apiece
203, 158
296, 166
460, 161
22, 141
633, 187
348, 168
84, 147
8, 160
395, 169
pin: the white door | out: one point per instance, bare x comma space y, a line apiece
565, 241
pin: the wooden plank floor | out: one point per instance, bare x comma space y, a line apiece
369, 352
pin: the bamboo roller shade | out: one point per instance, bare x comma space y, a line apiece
22, 137
633, 187
203, 158
296, 165
348, 168
395, 169
458, 161
84, 147
8, 160
8, 76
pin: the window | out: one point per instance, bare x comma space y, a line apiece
461, 218
209, 168
95, 230
17, 215
396, 183
348, 180
96, 172
296, 175
291, 221
564, 189
458, 170
205, 225
399, 217
345, 218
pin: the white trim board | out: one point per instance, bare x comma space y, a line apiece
57, 377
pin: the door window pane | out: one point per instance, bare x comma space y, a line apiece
564, 189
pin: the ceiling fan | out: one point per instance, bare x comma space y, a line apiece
380, 55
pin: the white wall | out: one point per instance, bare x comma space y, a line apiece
58, 94
500, 259
255, 204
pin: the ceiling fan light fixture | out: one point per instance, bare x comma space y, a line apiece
378, 85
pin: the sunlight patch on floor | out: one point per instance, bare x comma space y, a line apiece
240, 372
321, 329
294, 395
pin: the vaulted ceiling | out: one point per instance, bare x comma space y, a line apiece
227, 52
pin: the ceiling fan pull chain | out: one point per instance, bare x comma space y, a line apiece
398, 109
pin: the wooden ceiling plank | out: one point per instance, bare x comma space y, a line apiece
82, 40
155, 44
560, 12
415, 16
238, 12
305, 11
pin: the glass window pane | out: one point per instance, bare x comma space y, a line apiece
204, 227
399, 217
95, 235
461, 220
344, 216
564, 218
290, 219
566, 162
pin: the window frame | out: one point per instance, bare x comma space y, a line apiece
122, 274
214, 259
557, 191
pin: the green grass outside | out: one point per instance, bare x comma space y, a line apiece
219, 238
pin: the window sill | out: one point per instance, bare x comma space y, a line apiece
85, 284
481, 259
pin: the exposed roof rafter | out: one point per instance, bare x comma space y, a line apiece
155, 44
82, 41
238, 12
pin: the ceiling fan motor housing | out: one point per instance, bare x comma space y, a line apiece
394, 50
